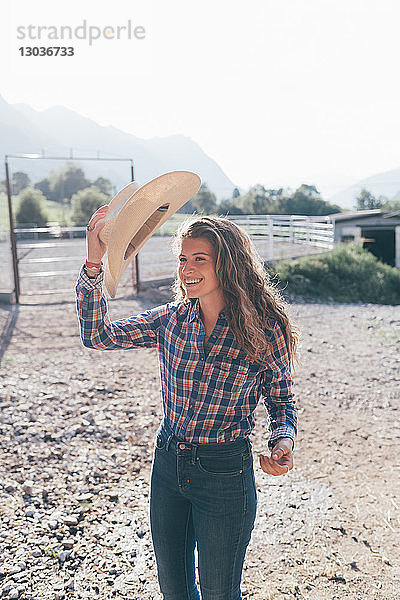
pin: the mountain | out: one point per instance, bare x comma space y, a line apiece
57, 130
385, 184
18, 131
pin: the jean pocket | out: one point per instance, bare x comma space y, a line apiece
221, 466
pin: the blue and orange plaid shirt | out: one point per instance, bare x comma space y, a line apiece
209, 394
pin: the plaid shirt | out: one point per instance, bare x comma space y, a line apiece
209, 395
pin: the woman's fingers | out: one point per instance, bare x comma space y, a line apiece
97, 216
95, 247
273, 467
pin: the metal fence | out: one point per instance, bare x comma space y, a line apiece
49, 257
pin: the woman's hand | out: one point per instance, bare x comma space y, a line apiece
96, 249
281, 459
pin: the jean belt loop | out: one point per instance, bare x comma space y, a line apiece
194, 453
171, 435
248, 444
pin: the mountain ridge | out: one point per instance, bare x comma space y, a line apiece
24, 129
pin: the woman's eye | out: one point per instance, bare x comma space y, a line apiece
197, 258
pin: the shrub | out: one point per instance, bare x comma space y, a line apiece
86, 202
30, 208
347, 274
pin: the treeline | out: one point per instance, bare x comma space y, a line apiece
258, 200
61, 185
368, 201
79, 197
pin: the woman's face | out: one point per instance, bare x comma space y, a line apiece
197, 265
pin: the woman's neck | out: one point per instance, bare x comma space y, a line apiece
210, 309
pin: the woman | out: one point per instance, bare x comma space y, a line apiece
224, 344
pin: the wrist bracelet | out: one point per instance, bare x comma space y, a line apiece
93, 265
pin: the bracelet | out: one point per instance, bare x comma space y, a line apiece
92, 265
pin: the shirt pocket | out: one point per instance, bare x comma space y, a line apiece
232, 375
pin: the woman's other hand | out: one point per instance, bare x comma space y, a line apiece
281, 459
96, 249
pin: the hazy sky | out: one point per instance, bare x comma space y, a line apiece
278, 92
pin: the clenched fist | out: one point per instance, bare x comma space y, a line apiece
281, 459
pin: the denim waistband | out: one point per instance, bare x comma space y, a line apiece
166, 438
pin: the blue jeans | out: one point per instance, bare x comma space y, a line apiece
202, 494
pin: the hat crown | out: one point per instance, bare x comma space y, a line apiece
114, 208
136, 212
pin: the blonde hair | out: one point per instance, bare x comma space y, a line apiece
253, 303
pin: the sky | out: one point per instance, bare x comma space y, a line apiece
278, 92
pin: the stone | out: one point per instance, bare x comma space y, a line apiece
27, 487
71, 521
10, 487
64, 555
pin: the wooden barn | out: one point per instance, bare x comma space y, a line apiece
379, 231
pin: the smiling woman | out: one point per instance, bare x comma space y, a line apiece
224, 344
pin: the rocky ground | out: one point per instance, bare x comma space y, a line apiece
76, 441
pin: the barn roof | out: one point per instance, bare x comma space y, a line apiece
359, 214
396, 213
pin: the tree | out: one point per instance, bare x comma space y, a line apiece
367, 201
30, 209
306, 200
19, 182
86, 202
104, 185
261, 201
204, 201
44, 186
392, 205
230, 207
235, 193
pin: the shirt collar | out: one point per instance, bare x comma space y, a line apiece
194, 311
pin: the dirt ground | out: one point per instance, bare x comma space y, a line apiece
76, 441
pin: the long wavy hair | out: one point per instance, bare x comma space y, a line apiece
253, 303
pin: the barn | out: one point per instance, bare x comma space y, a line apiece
378, 231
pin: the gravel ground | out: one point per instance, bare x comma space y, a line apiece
77, 432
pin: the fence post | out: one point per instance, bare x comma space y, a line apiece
13, 241
308, 235
270, 238
135, 274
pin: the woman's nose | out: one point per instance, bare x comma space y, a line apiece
187, 268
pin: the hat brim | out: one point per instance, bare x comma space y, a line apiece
136, 216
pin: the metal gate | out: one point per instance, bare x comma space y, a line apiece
20, 252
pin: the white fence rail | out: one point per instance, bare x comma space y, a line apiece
295, 229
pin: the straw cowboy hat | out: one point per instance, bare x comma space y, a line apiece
136, 212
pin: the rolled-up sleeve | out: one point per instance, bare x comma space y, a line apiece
276, 388
98, 332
